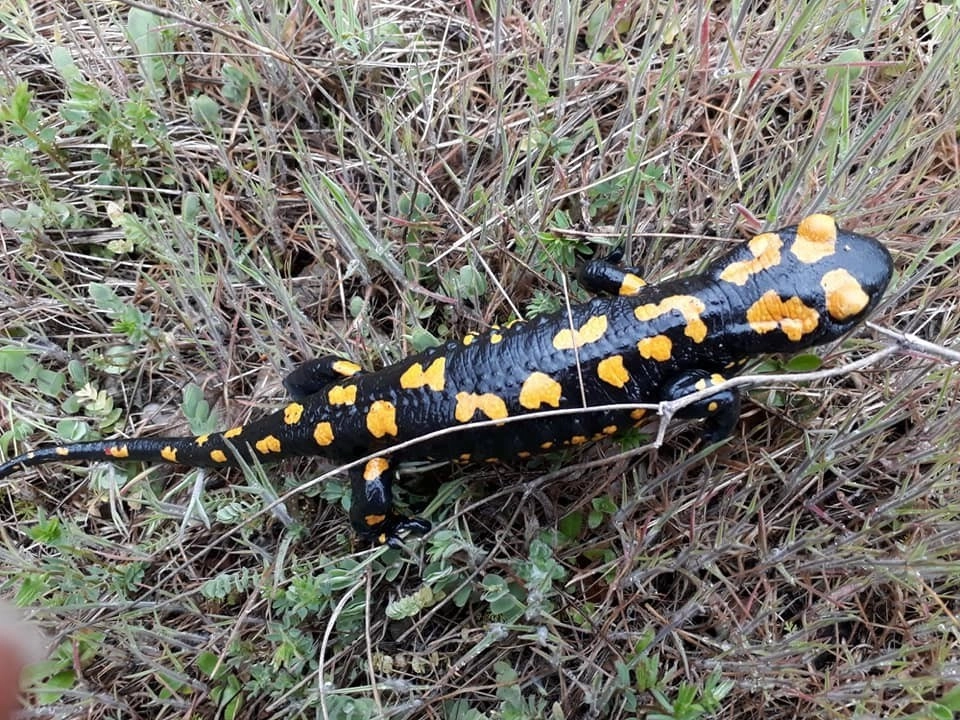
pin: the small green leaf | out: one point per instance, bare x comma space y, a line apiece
236, 84
571, 525
144, 29
422, 339
205, 111
951, 698
207, 662
63, 63
807, 362
847, 65
73, 430
32, 587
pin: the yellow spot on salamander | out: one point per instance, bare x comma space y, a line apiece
578, 439
292, 413
269, 444
201, 440
844, 296
61, 451
792, 317
372, 520
382, 419
495, 337
765, 249
489, 404
816, 238
469, 338
345, 368
375, 468
612, 371
591, 331
232, 432
610, 430
687, 305
342, 395
323, 434
118, 451
631, 284
546, 446
416, 377
169, 453
704, 383
638, 414
523, 454
218, 456
464, 457
712, 407
657, 347
540, 389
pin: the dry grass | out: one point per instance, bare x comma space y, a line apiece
293, 180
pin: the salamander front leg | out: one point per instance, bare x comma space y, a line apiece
606, 275
371, 508
314, 375
720, 412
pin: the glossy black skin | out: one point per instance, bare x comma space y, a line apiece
496, 364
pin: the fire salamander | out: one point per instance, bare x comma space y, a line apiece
635, 343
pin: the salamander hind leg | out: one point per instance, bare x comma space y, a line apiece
719, 411
314, 375
608, 276
371, 506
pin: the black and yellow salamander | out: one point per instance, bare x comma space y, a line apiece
779, 292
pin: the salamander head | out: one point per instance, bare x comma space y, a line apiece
807, 284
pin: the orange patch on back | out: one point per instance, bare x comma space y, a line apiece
687, 305
218, 456
843, 295
267, 445
816, 238
292, 413
118, 451
323, 434
766, 254
489, 404
631, 284
231, 433
416, 377
591, 331
345, 368
382, 419
342, 395
658, 347
791, 316
540, 389
612, 371
168, 453
375, 468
